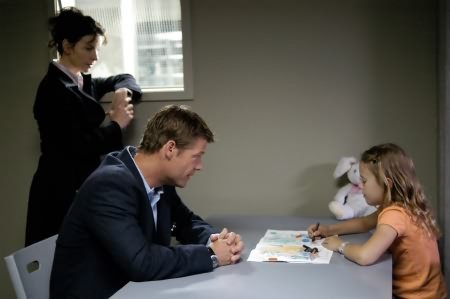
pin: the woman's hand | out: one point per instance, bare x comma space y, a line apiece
121, 111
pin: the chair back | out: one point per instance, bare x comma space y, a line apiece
30, 267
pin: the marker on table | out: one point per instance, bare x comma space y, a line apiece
310, 249
317, 228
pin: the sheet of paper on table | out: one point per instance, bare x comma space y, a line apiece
289, 246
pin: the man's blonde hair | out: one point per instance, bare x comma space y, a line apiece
177, 123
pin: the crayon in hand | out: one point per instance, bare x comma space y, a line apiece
317, 228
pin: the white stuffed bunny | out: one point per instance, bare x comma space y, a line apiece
349, 201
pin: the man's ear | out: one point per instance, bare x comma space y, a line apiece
170, 149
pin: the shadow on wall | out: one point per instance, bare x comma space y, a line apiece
316, 188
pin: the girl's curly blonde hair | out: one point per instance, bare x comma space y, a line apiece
389, 161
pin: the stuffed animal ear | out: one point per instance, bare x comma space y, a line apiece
343, 166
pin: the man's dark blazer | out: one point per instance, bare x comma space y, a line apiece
109, 238
73, 137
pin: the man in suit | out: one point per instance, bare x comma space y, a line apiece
121, 222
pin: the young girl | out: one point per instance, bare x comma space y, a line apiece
403, 224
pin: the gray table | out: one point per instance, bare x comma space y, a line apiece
339, 279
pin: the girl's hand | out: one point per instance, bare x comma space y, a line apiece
332, 243
317, 233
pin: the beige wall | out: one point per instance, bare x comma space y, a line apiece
288, 86
24, 61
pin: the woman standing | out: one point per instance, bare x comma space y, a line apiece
71, 121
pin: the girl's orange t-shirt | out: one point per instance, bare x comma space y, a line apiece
415, 255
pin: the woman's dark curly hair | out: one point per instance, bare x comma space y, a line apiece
71, 24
